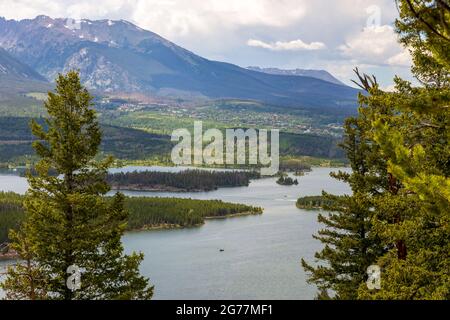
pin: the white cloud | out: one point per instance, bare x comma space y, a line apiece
402, 59
294, 45
377, 45
388, 88
170, 18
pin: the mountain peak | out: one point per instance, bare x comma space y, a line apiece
105, 30
118, 56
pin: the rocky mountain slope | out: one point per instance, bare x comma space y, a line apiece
17, 79
10, 67
118, 56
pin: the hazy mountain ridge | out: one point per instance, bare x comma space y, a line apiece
17, 80
318, 74
117, 56
13, 68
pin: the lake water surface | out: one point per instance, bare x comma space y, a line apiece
261, 257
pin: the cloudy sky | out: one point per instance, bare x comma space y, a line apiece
316, 34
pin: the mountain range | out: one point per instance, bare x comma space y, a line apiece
319, 74
120, 57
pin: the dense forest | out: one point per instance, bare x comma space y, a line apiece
310, 145
188, 180
144, 212
148, 212
123, 143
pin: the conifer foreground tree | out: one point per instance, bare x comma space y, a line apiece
69, 221
350, 246
399, 150
416, 142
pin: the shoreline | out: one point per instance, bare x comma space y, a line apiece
170, 226
162, 226
234, 215
168, 189
120, 163
156, 189
309, 208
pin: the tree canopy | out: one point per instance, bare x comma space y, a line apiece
399, 149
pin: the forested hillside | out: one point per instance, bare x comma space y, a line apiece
132, 144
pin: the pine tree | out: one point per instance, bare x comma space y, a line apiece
350, 245
69, 221
424, 25
416, 142
399, 150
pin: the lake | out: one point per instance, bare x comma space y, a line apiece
261, 257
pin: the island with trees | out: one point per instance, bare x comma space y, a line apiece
184, 181
285, 180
